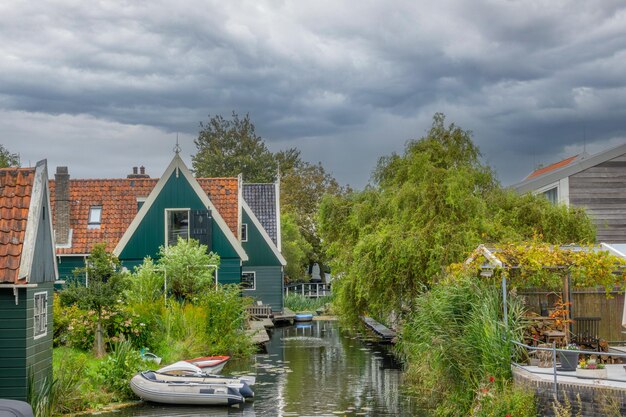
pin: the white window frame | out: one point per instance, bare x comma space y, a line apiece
41, 314
167, 220
244, 226
91, 224
253, 280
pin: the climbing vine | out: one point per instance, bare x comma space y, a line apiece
539, 264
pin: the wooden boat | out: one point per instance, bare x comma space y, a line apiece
303, 317
210, 364
151, 386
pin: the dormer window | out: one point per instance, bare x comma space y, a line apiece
95, 217
244, 232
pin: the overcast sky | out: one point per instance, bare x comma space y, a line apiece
104, 86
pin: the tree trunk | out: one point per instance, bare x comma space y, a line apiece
98, 346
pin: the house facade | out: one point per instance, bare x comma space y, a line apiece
27, 275
596, 183
263, 272
136, 215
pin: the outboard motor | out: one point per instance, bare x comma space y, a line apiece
246, 391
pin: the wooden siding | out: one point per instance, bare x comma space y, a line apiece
150, 235
258, 250
39, 351
269, 285
601, 190
67, 265
20, 353
43, 259
230, 271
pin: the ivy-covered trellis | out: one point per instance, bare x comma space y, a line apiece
536, 264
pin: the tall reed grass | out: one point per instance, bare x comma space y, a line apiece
455, 342
298, 302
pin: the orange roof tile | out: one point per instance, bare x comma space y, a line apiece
16, 185
552, 167
118, 198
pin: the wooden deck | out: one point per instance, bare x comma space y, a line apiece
286, 315
381, 331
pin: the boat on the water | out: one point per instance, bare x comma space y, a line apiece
210, 364
301, 317
151, 386
184, 371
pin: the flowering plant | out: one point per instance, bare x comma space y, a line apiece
590, 364
571, 346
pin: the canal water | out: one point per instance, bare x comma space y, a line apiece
311, 369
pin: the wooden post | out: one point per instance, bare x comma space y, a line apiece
567, 298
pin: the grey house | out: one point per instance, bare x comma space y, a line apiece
27, 274
596, 183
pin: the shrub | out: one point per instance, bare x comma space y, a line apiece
298, 302
119, 367
226, 315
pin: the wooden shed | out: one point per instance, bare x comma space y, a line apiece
27, 274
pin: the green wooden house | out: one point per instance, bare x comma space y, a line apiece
27, 274
136, 215
262, 274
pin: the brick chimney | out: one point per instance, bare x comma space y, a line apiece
62, 206
140, 174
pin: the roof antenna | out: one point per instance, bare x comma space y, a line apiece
177, 148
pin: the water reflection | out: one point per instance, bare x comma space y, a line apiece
312, 369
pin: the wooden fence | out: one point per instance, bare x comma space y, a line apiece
586, 302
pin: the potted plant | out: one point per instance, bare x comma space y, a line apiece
569, 357
591, 369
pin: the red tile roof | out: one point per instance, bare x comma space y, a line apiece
118, 198
16, 185
552, 167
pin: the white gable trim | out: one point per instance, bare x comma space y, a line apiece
266, 237
279, 242
37, 203
179, 166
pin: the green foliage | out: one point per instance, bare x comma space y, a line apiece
302, 188
226, 316
8, 159
186, 265
227, 148
41, 397
298, 302
68, 369
119, 367
455, 341
507, 400
429, 208
296, 249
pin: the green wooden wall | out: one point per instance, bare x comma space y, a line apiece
263, 261
150, 235
20, 353
258, 250
269, 285
67, 265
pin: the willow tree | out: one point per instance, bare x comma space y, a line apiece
428, 208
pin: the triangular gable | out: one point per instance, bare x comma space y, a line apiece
178, 167
39, 199
264, 234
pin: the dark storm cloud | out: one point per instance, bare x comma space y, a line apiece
346, 82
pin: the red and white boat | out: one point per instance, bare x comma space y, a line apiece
210, 364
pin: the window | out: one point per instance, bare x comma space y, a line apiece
244, 232
140, 201
41, 315
95, 217
177, 225
552, 195
248, 280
